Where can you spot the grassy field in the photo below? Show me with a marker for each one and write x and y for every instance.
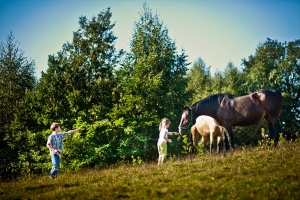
(247, 173)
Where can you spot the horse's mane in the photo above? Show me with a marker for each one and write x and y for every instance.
(213, 97)
(211, 101)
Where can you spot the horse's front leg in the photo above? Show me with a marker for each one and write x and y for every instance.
(228, 133)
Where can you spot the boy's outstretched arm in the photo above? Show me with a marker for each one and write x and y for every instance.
(74, 131)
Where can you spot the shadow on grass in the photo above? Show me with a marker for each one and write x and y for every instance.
(29, 188)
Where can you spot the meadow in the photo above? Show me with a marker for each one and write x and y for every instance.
(260, 172)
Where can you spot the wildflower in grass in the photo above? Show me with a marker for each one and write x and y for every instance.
(281, 139)
(133, 160)
(139, 160)
(297, 136)
(186, 145)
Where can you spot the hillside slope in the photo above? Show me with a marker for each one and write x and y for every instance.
(247, 173)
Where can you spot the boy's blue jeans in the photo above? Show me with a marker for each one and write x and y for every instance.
(55, 165)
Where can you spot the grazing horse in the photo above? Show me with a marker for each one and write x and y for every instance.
(229, 110)
(208, 128)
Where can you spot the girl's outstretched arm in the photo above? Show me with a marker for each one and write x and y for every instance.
(173, 133)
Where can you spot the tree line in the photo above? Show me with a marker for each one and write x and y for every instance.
(118, 98)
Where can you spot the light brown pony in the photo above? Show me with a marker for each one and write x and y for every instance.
(208, 128)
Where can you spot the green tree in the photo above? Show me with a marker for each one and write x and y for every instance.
(80, 80)
(233, 79)
(199, 81)
(152, 86)
(263, 70)
(16, 77)
(218, 83)
(81, 76)
(290, 87)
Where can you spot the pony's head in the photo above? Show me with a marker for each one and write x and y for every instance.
(186, 120)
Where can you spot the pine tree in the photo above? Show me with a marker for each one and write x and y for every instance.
(234, 79)
(16, 78)
(199, 81)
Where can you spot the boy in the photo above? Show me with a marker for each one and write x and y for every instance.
(55, 146)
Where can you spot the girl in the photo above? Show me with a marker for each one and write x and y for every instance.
(163, 139)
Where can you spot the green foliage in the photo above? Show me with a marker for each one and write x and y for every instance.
(248, 135)
(29, 157)
(90, 147)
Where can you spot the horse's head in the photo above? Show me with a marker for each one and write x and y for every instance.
(186, 120)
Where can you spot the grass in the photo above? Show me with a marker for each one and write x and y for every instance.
(247, 173)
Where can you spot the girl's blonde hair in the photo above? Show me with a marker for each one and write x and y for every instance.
(163, 123)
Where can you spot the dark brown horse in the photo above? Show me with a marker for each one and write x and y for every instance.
(229, 110)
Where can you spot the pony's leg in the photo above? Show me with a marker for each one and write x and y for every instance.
(223, 131)
(204, 140)
(211, 142)
(193, 139)
(218, 144)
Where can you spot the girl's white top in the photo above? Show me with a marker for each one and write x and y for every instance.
(162, 133)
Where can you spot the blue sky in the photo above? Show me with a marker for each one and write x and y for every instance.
(218, 31)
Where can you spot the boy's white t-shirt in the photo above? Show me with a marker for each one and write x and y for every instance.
(162, 134)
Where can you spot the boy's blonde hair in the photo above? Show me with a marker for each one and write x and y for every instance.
(54, 125)
(163, 123)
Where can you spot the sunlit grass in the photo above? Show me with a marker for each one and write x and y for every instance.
(246, 173)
